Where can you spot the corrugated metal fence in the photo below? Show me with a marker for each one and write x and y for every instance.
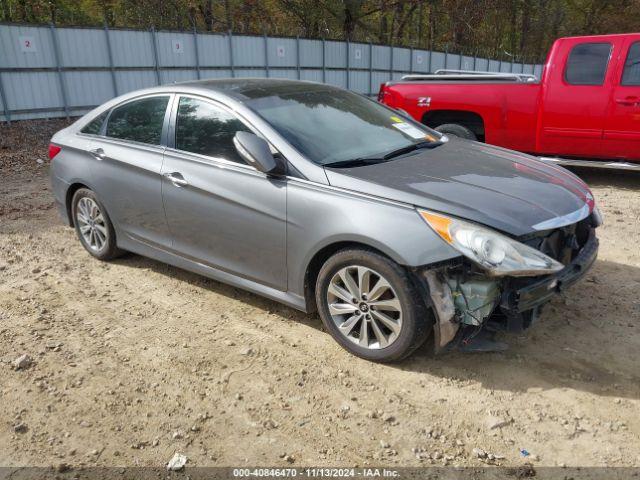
(47, 71)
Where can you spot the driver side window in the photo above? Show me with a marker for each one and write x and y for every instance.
(203, 128)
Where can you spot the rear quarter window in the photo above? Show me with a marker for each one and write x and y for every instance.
(587, 64)
(94, 127)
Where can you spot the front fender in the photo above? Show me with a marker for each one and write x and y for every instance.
(319, 216)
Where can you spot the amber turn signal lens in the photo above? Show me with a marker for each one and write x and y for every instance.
(439, 223)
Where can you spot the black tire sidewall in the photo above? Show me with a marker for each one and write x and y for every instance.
(109, 250)
(413, 330)
(457, 130)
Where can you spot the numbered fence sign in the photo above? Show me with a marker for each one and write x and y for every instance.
(177, 46)
(357, 54)
(419, 59)
(27, 44)
(280, 50)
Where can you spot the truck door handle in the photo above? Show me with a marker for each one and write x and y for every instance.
(628, 101)
(176, 178)
(98, 153)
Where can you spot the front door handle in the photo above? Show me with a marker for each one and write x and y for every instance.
(628, 101)
(176, 178)
(98, 153)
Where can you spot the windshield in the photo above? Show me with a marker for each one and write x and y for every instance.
(330, 126)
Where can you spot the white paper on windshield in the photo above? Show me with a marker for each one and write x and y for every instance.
(410, 130)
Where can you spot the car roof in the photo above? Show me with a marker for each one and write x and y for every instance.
(244, 89)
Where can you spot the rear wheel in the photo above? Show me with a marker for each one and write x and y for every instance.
(370, 306)
(93, 226)
(456, 130)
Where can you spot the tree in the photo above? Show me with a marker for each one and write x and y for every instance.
(523, 30)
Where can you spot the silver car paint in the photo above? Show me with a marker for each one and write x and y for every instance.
(253, 256)
(228, 216)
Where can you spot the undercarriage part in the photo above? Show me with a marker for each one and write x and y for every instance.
(513, 322)
(479, 340)
(442, 300)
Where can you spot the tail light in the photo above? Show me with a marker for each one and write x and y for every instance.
(53, 150)
(389, 96)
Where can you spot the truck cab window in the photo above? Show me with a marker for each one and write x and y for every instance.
(587, 64)
(631, 74)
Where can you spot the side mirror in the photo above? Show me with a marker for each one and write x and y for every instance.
(255, 151)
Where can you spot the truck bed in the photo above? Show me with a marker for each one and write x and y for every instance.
(506, 106)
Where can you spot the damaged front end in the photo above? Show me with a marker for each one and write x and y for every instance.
(463, 301)
(471, 303)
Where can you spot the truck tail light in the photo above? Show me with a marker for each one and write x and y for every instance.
(389, 96)
(53, 150)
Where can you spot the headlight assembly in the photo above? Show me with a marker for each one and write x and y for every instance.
(497, 253)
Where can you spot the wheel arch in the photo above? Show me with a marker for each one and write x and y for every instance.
(467, 118)
(71, 190)
(323, 253)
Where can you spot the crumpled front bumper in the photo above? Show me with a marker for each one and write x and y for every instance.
(516, 301)
(519, 299)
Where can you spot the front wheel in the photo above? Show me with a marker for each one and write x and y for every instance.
(371, 306)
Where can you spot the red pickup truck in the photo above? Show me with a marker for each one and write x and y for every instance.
(586, 104)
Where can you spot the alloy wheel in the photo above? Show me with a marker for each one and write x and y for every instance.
(364, 307)
(91, 224)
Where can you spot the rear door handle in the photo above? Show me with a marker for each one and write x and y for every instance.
(628, 101)
(176, 178)
(98, 153)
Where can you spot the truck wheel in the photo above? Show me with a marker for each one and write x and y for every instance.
(457, 130)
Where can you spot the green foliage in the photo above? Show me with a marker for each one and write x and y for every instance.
(521, 30)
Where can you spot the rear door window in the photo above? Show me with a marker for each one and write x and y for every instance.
(631, 73)
(139, 121)
(206, 129)
(587, 64)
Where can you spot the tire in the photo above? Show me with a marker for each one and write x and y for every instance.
(89, 215)
(457, 130)
(412, 323)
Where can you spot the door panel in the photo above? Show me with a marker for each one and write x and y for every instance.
(127, 169)
(622, 130)
(221, 211)
(576, 99)
(128, 183)
(226, 216)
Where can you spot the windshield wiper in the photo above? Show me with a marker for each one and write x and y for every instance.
(354, 162)
(359, 162)
(410, 148)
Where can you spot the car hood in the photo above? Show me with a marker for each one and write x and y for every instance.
(506, 190)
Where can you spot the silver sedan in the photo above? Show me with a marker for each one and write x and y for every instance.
(325, 200)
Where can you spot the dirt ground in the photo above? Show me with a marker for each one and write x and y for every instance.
(135, 360)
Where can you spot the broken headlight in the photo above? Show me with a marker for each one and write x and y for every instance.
(497, 253)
